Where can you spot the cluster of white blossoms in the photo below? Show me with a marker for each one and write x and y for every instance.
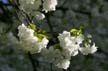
(58, 54)
(56, 57)
(70, 43)
(69, 46)
(29, 42)
(73, 44)
(30, 6)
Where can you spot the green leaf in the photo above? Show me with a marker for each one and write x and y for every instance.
(31, 26)
(38, 32)
(40, 35)
(76, 32)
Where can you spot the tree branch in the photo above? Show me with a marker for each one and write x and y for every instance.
(32, 61)
(47, 15)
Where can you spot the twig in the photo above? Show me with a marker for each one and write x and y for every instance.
(32, 61)
(50, 27)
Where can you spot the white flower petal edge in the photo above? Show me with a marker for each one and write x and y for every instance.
(64, 64)
(88, 49)
(38, 15)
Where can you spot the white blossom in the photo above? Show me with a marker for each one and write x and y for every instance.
(64, 64)
(38, 15)
(44, 42)
(64, 39)
(49, 5)
(56, 57)
(28, 41)
(88, 49)
(29, 5)
(69, 46)
(69, 43)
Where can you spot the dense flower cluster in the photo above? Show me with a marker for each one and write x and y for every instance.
(72, 43)
(30, 6)
(57, 54)
(30, 42)
(56, 57)
(69, 46)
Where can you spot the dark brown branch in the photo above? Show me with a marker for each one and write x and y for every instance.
(47, 15)
(32, 61)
